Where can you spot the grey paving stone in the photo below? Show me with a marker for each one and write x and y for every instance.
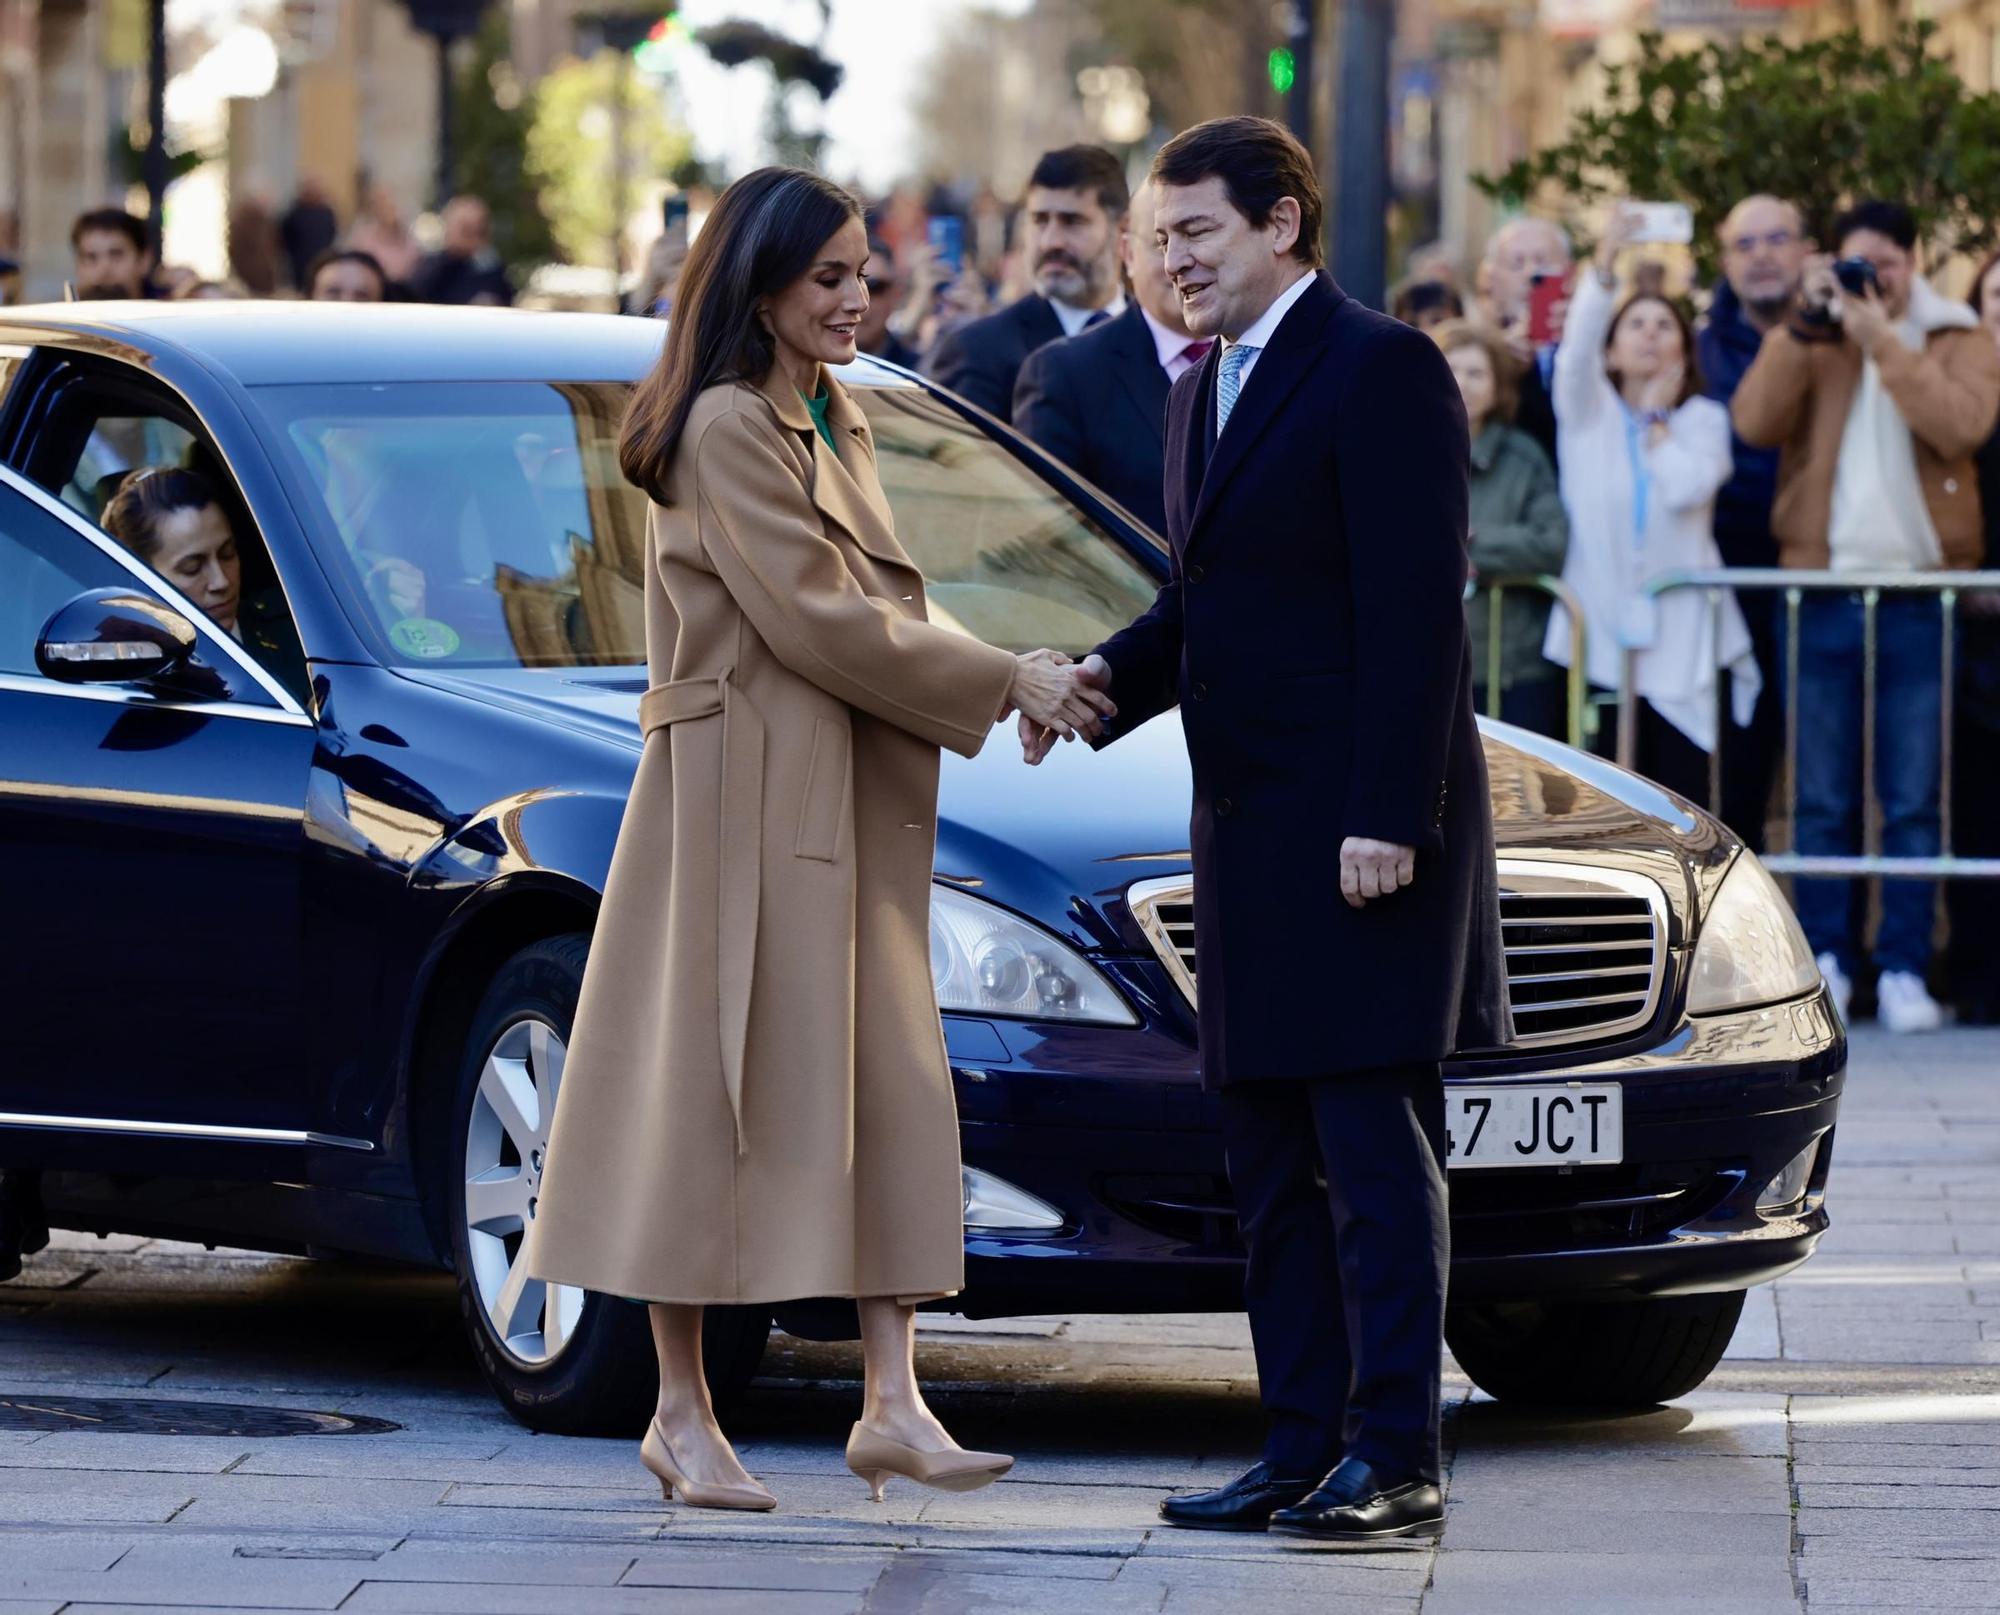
(109, 1498)
(498, 1598)
(30, 1606)
(24, 1549)
(1468, 1579)
(681, 1565)
(80, 1450)
(1829, 1560)
(1194, 1600)
(1905, 1527)
(1523, 1528)
(932, 1582)
(1566, 1481)
(1899, 1466)
(274, 1584)
(1916, 1592)
(1888, 1495)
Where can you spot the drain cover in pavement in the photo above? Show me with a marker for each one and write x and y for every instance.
(146, 1417)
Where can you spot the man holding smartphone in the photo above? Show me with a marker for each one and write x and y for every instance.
(1876, 392)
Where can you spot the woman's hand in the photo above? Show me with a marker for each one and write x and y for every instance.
(1663, 391)
(399, 584)
(1045, 690)
(1617, 237)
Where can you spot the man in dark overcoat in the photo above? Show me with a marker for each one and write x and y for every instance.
(1313, 636)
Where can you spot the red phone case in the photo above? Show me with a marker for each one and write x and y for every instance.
(1544, 297)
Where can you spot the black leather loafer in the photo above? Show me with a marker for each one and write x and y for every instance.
(1356, 1508)
(1245, 1504)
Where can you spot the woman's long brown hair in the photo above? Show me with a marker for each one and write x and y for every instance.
(766, 230)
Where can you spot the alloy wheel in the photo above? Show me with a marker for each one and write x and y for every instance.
(506, 1149)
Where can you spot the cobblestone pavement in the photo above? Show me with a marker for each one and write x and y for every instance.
(1845, 1457)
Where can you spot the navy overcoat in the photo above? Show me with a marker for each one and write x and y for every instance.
(1313, 635)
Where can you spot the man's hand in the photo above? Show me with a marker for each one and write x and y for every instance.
(1093, 673)
(1865, 319)
(1819, 287)
(1371, 869)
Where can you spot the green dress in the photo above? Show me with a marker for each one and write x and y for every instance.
(817, 406)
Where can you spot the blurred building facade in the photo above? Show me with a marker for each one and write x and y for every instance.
(1480, 83)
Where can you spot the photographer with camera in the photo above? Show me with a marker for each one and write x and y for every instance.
(1877, 393)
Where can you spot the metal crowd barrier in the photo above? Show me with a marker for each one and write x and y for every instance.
(1495, 589)
(1793, 586)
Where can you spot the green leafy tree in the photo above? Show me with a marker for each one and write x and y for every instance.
(1822, 123)
(491, 119)
(569, 149)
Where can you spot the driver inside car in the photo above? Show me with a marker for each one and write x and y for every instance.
(171, 519)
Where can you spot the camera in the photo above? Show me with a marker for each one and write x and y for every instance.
(1857, 276)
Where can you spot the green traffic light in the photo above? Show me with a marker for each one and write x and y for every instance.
(1284, 70)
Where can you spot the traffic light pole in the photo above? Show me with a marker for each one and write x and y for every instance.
(1366, 31)
(156, 120)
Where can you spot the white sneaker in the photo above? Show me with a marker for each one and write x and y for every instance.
(1902, 1004)
(1836, 983)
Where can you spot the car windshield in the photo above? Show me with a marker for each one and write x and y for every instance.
(487, 525)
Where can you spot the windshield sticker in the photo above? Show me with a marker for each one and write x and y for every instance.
(424, 636)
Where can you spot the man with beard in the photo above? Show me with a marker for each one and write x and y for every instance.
(1764, 247)
(1098, 402)
(113, 257)
(1075, 210)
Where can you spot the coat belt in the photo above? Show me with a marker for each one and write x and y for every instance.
(740, 861)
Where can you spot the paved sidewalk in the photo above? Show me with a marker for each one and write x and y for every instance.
(1845, 1457)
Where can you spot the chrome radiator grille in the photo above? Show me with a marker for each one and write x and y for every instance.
(1586, 947)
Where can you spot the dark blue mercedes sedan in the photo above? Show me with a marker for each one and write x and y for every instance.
(295, 907)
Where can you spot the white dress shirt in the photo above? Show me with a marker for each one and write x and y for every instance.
(1258, 337)
(1074, 319)
(1171, 346)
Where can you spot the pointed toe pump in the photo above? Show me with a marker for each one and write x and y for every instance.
(657, 1456)
(875, 1458)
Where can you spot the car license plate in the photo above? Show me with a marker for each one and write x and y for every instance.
(1568, 1124)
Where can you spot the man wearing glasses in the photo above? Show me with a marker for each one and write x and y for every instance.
(1764, 248)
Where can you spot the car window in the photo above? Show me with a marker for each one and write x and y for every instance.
(477, 526)
(109, 423)
(1005, 557)
(45, 563)
(42, 565)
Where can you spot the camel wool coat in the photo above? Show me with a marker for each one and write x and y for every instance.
(756, 1105)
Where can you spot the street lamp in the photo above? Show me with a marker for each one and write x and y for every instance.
(446, 21)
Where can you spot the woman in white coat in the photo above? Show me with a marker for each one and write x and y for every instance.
(1642, 456)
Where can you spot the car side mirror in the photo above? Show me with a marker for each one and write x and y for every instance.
(114, 636)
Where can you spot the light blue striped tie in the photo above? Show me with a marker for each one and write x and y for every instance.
(1230, 382)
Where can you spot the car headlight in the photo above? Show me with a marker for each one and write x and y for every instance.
(985, 961)
(1751, 949)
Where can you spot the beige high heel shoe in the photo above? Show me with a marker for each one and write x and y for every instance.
(875, 1458)
(657, 1456)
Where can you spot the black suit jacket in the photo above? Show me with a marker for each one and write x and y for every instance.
(1098, 403)
(1313, 634)
(981, 359)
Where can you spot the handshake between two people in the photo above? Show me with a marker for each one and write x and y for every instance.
(1058, 697)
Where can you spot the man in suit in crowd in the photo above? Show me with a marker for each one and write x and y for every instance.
(1312, 633)
(1098, 402)
(1075, 207)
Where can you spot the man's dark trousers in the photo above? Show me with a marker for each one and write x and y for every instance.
(1346, 1279)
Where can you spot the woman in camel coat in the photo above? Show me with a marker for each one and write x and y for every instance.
(756, 1105)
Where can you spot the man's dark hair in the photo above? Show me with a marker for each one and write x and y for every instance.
(1085, 168)
(1889, 219)
(1259, 162)
(109, 218)
(347, 255)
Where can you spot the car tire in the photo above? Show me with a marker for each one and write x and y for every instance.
(599, 1375)
(1617, 1354)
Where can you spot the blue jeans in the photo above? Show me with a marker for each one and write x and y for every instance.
(1909, 648)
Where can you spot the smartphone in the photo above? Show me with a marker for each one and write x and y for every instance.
(947, 238)
(1547, 293)
(1668, 222)
(674, 215)
(1857, 277)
